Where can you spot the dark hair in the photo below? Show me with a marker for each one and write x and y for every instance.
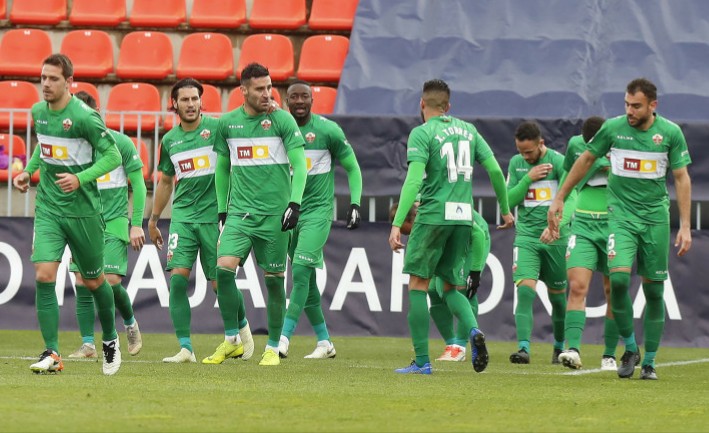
(304, 83)
(87, 99)
(591, 126)
(528, 131)
(186, 82)
(254, 70)
(61, 61)
(643, 85)
(436, 93)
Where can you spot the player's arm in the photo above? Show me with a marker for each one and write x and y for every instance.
(497, 178)
(683, 187)
(296, 157)
(409, 191)
(102, 140)
(33, 164)
(161, 195)
(221, 183)
(578, 172)
(22, 180)
(140, 192)
(354, 180)
(516, 188)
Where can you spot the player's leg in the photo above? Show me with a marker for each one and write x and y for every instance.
(85, 317)
(553, 273)
(479, 250)
(610, 330)
(525, 270)
(443, 319)
(313, 310)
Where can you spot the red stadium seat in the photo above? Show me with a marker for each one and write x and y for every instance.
(78, 86)
(211, 105)
(40, 12)
(332, 14)
(323, 99)
(22, 52)
(224, 14)
(17, 94)
(271, 50)
(145, 55)
(277, 14)
(144, 156)
(133, 97)
(236, 98)
(104, 13)
(153, 13)
(91, 52)
(322, 58)
(18, 149)
(206, 56)
(3, 10)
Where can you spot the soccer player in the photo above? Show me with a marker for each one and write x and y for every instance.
(113, 188)
(254, 149)
(442, 149)
(325, 142)
(187, 153)
(532, 180)
(68, 207)
(643, 146)
(586, 251)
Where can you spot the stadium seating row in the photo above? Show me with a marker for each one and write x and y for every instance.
(148, 55)
(265, 14)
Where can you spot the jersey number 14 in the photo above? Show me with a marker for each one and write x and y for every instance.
(459, 165)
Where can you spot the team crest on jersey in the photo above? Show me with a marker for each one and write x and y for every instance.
(611, 254)
(310, 137)
(657, 139)
(67, 124)
(206, 133)
(266, 124)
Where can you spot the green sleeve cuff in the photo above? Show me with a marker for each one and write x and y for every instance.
(109, 160)
(300, 173)
(221, 182)
(516, 194)
(354, 178)
(412, 185)
(497, 178)
(139, 194)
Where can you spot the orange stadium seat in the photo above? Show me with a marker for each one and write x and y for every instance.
(206, 56)
(271, 50)
(41, 12)
(3, 10)
(146, 55)
(133, 97)
(153, 13)
(16, 94)
(18, 149)
(211, 104)
(144, 156)
(277, 14)
(105, 13)
(225, 14)
(91, 52)
(332, 14)
(322, 58)
(22, 52)
(323, 99)
(236, 98)
(78, 86)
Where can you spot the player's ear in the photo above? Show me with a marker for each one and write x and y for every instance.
(448, 107)
(423, 104)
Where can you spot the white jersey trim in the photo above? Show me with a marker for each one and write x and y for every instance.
(65, 152)
(318, 161)
(541, 193)
(249, 152)
(114, 179)
(194, 162)
(638, 165)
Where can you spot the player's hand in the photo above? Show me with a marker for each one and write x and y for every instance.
(353, 217)
(539, 172)
(290, 217)
(155, 235)
(137, 238)
(273, 106)
(472, 284)
(395, 239)
(683, 241)
(222, 221)
(67, 182)
(548, 236)
(22, 182)
(508, 221)
(556, 211)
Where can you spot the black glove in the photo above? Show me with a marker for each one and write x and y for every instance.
(290, 217)
(473, 284)
(353, 217)
(222, 220)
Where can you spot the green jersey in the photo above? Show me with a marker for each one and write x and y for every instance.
(447, 146)
(69, 139)
(591, 198)
(258, 147)
(532, 211)
(639, 163)
(113, 186)
(324, 142)
(480, 222)
(190, 156)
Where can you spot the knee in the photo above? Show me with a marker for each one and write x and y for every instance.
(577, 288)
(94, 283)
(114, 279)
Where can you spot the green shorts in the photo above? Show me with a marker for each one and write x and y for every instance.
(587, 244)
(188, 239)
(479, 249)
(438, 251)
(263, 233)
(307, 241)
(649, 243)
(83, 235)
(534, 260)
(115, 256)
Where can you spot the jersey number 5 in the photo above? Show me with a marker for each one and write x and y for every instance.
(459, 165)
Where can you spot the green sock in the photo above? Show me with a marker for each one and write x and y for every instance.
(106, 309)
(622, 307)
(610, 336)
(474, 306)
(275, 308)
(298, 297)
(313, 310)
(575, 322)
(241, 311)
(524, 320)
(558, 313)
(180, 311)
(441, 315)
(654, 320)
(48, 314)
(418, 324)
(85, 314)
(460, 307)
(227, 294)
(123, 305)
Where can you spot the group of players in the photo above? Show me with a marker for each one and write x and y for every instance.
(240, 185)
(598, 208)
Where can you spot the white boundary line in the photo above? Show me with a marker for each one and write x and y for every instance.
(663, 364)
